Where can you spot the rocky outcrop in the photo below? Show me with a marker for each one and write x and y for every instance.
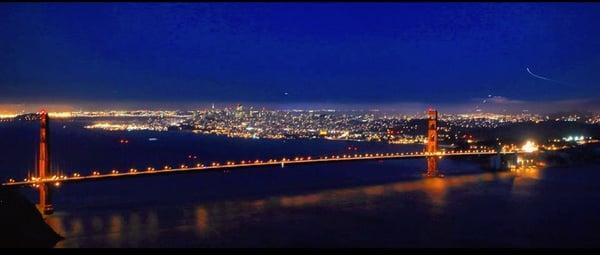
(21, 224)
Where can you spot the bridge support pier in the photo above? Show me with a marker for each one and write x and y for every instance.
(44, 204)
(432, 144)
(432, 167)
(501, 162)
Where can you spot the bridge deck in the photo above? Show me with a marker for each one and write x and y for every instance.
(230, 165)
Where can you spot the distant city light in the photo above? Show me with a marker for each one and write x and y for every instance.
(6, 116)
(573, 138)
(529, 147)
(60, 114)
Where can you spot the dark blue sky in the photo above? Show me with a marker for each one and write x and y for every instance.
(333, 53)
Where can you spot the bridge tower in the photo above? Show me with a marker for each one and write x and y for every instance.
(43, 165)
(432, 142)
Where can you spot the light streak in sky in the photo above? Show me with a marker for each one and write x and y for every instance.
(542, 77)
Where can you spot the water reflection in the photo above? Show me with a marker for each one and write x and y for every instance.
(210, 220)
(435, 189)
(152, 225)
(301, 200)
(116, 228)
(374, 190)
(56, 223)
(96, 223)
(134, 230)
(258, 205)
(76, 227)
(528, 172)
(201, 220)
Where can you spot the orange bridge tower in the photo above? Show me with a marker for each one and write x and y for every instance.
(432, 142)
(43, 165)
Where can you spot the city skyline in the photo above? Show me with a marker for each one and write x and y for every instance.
(496, 104)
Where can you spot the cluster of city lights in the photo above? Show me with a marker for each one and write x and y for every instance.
(573, 138)
(123, 127)
(529, 147)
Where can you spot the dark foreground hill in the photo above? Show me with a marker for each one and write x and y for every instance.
(21, 224)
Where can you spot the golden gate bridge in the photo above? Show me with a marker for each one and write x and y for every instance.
(45, 180)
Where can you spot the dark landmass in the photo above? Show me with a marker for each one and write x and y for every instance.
(518, 132)
(579, 155)
(21, 224)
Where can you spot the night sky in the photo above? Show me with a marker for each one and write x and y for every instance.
(346, 53)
